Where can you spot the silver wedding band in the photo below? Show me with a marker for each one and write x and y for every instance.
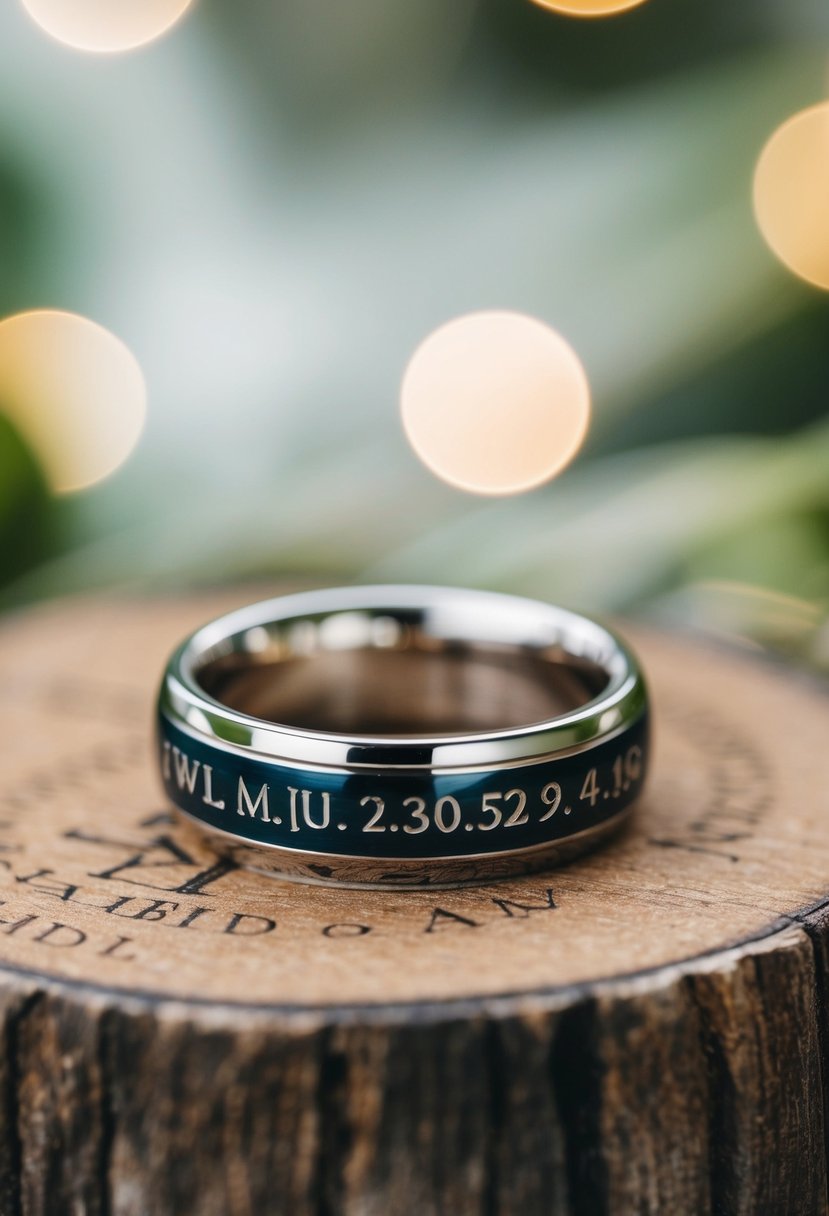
(403, 736)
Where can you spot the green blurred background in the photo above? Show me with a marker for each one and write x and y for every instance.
(274, 204)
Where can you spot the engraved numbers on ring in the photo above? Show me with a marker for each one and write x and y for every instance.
(499, 809)
(609, 781)
(518, 814)
(507, 808)
(626, 770)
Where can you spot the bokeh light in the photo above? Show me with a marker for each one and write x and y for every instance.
(791, 194)
(106, 26)
(495, 402)
(589, 8)
(75, 393)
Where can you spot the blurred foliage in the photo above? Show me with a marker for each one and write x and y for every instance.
(26, 512)
(276, 203)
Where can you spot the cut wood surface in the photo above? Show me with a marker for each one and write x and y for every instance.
(643, 1030)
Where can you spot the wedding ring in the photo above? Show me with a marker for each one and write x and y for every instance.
(403, 736)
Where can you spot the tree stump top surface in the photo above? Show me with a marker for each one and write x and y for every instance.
(99, 888)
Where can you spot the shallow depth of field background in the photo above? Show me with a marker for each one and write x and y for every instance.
(274, 204)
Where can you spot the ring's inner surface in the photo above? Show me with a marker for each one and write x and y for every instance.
(398, 682)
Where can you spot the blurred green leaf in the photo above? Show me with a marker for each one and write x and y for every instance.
(26, 524)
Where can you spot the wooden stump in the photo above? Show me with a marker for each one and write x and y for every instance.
(643, 1031)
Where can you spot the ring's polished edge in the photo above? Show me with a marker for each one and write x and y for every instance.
(404, 809)
(322, 869)
(478, 616)
(276, 762)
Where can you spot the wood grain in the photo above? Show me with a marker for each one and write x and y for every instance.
(643, 1031)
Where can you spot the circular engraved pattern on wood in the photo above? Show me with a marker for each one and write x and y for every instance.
(98, 884)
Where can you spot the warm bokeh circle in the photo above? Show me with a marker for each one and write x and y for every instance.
(589, 8)
(791, 194)
(75, 393)
(106, 26)
(495, 402)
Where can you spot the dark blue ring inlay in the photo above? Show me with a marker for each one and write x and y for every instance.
(403, 814)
